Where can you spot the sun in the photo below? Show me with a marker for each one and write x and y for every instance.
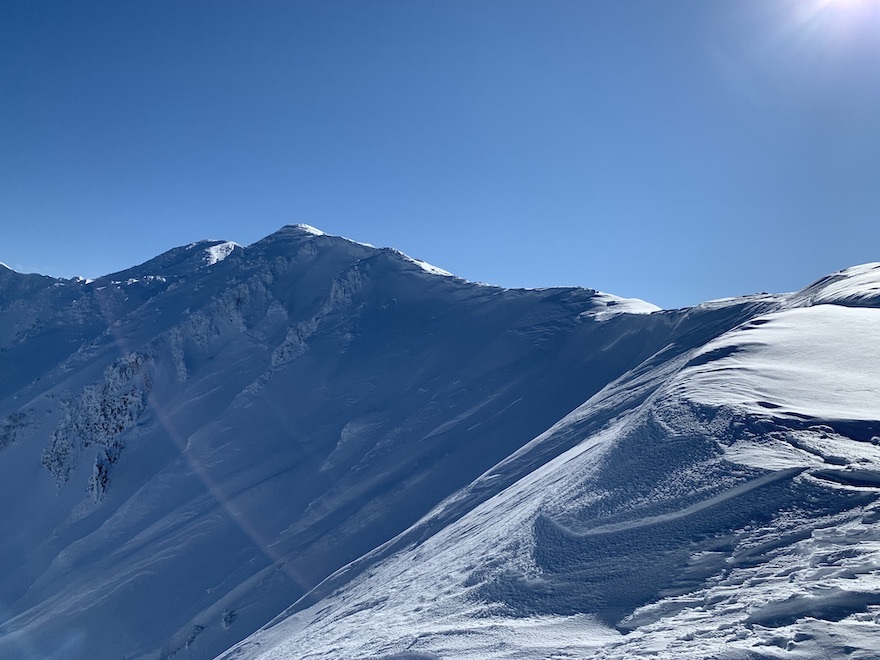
(850, 4)
(837, 20)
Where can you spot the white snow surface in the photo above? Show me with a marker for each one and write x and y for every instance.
(609, 305)
(858, 285)
(314, 231)
(818, 362)
(786, 582)
(424, 265)
(430, 600)
(316, 439)
(219, 252)
(309, 229)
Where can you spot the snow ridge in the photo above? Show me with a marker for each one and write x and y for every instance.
(756, 420)
(309, 229)
(609, 305)
(419, 466)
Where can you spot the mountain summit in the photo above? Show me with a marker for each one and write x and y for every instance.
(384, 460)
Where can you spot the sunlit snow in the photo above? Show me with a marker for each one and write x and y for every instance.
(608, 305)
(315, 449)
(817, 362)
(858, 285)
(219, 252)
(424, 265)
(309, 229)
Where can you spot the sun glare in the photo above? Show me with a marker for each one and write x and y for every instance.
(848, 5)
(833, 21)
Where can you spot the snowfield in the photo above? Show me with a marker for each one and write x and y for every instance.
(817, 362)
(313, 448)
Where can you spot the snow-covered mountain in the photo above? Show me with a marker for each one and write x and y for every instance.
(314, 448)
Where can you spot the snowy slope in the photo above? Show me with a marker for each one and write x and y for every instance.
(192, 444)
(383, 460)
(719, 500)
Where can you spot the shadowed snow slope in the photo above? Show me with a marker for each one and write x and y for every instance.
(371, 458)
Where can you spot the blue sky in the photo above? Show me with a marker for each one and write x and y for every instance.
(675, 151)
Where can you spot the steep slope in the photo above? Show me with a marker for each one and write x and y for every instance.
(193, 444)
(718, 500)
(418, 466)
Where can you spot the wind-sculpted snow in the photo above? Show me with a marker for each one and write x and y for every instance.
(816, 362)
(858, 286)
(673, 515)
(613, 305)
(390, 462)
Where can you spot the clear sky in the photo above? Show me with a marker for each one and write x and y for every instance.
(673, 150)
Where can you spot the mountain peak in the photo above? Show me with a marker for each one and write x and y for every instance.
(177, 261)
(308, 229)
(313, 411)
(297, 232)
